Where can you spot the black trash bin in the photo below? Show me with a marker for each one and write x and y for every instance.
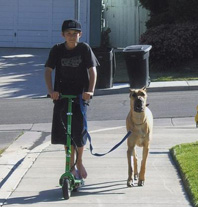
(137, 62)
(106, 70)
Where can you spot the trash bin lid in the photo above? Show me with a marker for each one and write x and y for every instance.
(137, 48)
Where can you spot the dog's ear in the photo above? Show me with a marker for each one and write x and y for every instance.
(131, 92)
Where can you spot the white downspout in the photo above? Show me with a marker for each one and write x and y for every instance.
(77, 10)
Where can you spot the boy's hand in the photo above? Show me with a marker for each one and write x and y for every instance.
(54, 95)
(87, 96)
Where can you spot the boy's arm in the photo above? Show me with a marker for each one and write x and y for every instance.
(92, 83)
(48, 80)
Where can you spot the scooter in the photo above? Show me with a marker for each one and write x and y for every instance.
(68, 181)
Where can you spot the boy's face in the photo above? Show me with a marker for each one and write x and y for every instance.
(72, 36)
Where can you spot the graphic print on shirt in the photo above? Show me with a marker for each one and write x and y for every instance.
(71, 62)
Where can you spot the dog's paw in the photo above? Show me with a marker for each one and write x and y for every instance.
(141, 183)
(136, 177)
(130, 183)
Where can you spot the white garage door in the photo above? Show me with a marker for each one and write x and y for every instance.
(33, 23)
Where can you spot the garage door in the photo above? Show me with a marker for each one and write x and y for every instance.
(33, 23)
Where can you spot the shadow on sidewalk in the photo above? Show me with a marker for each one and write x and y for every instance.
(55, 195)
(43, 196)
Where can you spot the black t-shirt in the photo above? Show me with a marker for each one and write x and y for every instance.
(71, 75)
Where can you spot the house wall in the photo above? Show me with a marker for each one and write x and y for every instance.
(126, 19)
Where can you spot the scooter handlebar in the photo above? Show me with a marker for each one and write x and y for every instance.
(61, 96)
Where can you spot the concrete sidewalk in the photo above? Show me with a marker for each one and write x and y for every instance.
(35, 171)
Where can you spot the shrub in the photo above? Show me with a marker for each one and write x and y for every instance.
(172, 43)
(159, 19)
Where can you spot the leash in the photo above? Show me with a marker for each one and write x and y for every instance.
(115, 147)
(89, 137)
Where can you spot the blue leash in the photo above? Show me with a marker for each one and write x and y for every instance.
(89, 137)
(115, 147)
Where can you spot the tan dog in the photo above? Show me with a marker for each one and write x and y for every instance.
(140, 122)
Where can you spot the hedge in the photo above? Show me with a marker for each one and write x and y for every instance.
(172, 43)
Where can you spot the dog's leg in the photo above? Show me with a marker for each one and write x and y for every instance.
(130, 166)
(135, 161)
(143, 165)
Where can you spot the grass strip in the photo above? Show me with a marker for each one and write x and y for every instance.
(186, 159)
(173, 76)
(1, 151)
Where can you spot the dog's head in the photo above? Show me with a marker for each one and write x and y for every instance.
(138, 99)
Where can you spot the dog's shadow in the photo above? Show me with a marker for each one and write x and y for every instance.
(110, 187)
(54, 195)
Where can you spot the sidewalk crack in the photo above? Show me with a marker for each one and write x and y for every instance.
(172, 122)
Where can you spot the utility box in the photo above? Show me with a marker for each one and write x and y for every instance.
(137, 62)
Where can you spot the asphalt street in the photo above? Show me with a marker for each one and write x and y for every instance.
(170, 104)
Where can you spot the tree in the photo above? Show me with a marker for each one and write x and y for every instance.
(170, 11)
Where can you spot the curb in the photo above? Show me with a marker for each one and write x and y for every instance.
(120, 90)
(111, 91)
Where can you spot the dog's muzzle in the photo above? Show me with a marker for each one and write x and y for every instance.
(139, 105)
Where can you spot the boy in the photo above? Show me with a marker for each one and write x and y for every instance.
(75, 74)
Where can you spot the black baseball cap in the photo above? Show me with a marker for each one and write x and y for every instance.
(71, 24)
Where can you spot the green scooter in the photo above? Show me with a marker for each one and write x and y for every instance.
(68, 181)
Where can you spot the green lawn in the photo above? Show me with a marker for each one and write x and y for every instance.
(186, 158)
(1, 151)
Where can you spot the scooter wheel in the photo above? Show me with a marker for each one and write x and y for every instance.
(60, 181)
(66, 189)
